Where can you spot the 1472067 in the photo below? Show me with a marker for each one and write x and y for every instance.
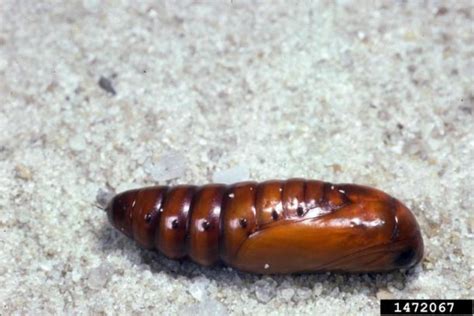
(423, 307)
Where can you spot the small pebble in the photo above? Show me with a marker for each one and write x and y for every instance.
(264, 290)
(317, 289)
(103, 197)
(198, 289)
(23, 172)
(77, 143)
(99, 276)
(471, 224)
(171, 165)
(106, 85)
(287, 294)
(232, 175)
(384, 294)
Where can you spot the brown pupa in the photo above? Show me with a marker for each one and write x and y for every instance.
(273, 227)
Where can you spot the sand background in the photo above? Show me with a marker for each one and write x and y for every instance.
(372, 92)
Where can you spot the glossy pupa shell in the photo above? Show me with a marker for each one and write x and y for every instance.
(273, 227)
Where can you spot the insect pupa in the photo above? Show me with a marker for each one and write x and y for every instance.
(273, 227)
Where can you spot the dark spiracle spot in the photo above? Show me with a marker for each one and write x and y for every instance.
(405, 258)
(206, 225)
(148, 218)
(274, 215)
(174, 224)
(243, 222)
(300, 211)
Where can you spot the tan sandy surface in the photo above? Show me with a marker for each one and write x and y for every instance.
(377, 93)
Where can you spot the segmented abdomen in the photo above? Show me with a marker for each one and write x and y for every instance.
(235, 223)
